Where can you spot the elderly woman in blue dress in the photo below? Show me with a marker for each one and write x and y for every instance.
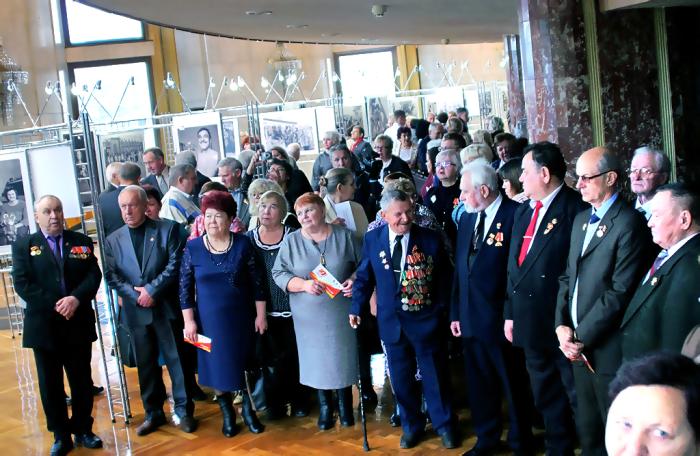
(222, 297)
(326, 344)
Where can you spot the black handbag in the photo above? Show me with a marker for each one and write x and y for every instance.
(126, 348)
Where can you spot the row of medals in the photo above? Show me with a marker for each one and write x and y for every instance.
(414, 282)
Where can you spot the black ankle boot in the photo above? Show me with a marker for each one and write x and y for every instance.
(225, 401)
(326, 419)
(249, 417)
(395, 418)
(345, 411)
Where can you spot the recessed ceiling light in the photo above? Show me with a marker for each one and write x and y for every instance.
(265, 13)
(327, 35)
(258, 13)
(297, 26)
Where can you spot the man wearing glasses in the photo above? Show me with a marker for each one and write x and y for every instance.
(648, 171)
(610, 250)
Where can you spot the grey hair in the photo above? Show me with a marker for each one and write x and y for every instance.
(177, 172)
(333, 135)
(386, 140)
(186, 157)
(261, 186)
(476, 150)
(452, 156)
(663, 164)
(112, 170)
(391, 196)
(482, 137)
(138, 190)
(335, 177)
(43, 197)
(130, 172)
(293, 148)
(230, 163)
(482, 173)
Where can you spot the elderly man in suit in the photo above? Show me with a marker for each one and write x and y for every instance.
(108, 202)
(665, 306)
(408, 266)
(142, 264)
(609, 253)
(649, 170)
(541, 233)
(112, 175)
(159, 172)
(494, 369)
(230, 172)
(55, 271)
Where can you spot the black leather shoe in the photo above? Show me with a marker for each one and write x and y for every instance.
(150, 425)
(88, 440)
(410, 440)
(61, 446)
(480, 452)
(97, 390)
(449, 439)
(188, 424)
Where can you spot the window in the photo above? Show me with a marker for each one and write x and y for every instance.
(87, 25)
(366, 74)
(100, 89)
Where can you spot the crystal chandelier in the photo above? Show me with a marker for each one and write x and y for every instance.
(11, 75)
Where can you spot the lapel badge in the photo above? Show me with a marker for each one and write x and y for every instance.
(550, 227)
(382, 254)
(386, 266)
(35, 250)
(554, 221)
(601, 231)
(152, 239)
(654, 281)
(489, 241)
(585, 226)
(498, 225)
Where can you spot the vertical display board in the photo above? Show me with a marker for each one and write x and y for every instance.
(16, 198)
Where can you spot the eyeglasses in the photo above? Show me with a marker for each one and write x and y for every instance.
(641, 172)
(444, 164)
(446, 149)
(587, 179)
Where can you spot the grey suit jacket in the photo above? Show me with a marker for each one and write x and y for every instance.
(608, 272)
(159, 273)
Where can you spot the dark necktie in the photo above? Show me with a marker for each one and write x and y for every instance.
(396, 257)
(479, 233)
(657, 263)
(56, 249)
(594, 219)
(529, 233)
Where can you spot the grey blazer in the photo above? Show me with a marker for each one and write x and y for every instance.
(162, 251)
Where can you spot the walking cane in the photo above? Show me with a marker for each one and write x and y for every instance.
(363, 418)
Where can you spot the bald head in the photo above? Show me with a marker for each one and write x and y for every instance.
(597, 170)
(132, 203)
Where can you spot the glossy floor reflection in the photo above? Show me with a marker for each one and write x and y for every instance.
(23, 427)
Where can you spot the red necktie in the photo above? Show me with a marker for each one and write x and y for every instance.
(529, 233)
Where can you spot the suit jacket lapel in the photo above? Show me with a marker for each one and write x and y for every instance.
(605, 226)
(541, 239)
(149, 242)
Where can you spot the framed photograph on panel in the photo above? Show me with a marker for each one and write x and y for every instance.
(281, 128)
(354, 115)
(123, 147)
(200, 133)
(378, 111)
(16, 199)
(45, 164)
(232, 139)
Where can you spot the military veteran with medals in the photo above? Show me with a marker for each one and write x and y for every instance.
(55, 271)
(408, 266)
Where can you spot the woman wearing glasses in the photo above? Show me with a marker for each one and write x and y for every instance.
(442, 198)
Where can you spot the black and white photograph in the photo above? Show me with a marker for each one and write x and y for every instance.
(232, 139)
(353, 115)
(200, 133)
(121, 147)
(379, 113)
(410, 105)
(16, 213)
(282, 128)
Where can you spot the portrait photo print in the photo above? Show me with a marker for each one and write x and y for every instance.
(200, 134)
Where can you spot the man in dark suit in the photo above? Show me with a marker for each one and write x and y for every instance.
(494, 369)
(55, 271)
(387, 164)
(541, 233)
(665, 306)
(409, 268)
(609, 253)
(108, 202)
(159, 172)
(142, 264)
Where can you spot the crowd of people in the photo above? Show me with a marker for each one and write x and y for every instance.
(555, 299)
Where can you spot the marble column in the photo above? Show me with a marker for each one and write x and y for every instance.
(514, 75)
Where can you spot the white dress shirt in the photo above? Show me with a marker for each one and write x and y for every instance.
(490, 213)
(546, 202)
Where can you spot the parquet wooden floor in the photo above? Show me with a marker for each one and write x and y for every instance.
(23, 427)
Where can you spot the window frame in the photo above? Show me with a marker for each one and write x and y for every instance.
(66, 32)
(337, 55)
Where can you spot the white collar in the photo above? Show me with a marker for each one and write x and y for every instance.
(492, 208)
(677, 246)
(547, 200)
